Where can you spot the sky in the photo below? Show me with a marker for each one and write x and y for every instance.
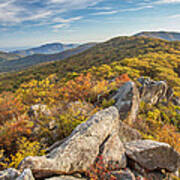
(30, 23)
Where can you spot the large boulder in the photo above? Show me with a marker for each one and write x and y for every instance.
(153, 91)
(9, 174)
(112, 153)
(65, 178)
(81, 148)
(152, 155)
(126, 133)
(26, 175)
(123, 175)
(127, 101)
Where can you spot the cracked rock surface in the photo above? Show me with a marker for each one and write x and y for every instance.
(153, 155)
(82, 147)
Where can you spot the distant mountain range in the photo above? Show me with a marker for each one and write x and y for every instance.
(46, 49)
(8, 56)
(24, 62)
(170, 36)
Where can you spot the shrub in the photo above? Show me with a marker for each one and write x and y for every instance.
(10, 107)
(11, 130)
(72, 116)
(99, 170)
(168, 134)
(25, 148)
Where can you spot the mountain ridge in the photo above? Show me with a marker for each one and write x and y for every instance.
(8, 56)
(169, 36)
(49, 48)
(115, 49)
(35, 59)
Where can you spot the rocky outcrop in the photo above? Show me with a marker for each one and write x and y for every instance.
(126, 133)
(151, 155)
(124, 175)
(82, 147)
(124, 155)
(112, 153)
(127, 101)
(153, 91)
(9, 174)
(26, 175)
(65, 178)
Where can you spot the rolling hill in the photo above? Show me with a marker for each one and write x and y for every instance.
(108, 52)
(46, 49)
(8, 56)
(170, 36)
(21, 63)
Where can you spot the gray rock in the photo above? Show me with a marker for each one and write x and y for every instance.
(123, 175)
(26, 175)
(113, 153)
(126, 133)
(176, 101)
(153, 91)
(37, 109)
(127, 101)
(152, 155)
(65, 178)
(9, 174)
(80, 150)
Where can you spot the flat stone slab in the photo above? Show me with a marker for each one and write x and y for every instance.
(153, 155)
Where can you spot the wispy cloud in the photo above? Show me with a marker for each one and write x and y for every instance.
(136, 8)
(69, 20)
(101, 8)
(59, 26)
(166, 1)
(64, 23)
(13, 12)
(123, 10)
(105, 13)
(175, 16)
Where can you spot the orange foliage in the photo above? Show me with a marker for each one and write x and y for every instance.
(77, 88)
(83, 87)
(122, 79)
(86, 87)
(12, 130)
(10, 107)
(169, 134)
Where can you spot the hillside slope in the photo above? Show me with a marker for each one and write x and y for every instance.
(8, 56)
(170, 36)
(105, 53)
(137, 75)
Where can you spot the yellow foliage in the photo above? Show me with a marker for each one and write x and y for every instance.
(25, 148)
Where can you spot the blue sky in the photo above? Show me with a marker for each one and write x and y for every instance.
(27, 23)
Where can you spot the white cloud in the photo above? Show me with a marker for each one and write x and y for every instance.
(69, 20)
(14, 12)
(105, 13)
(175, 16)
(167, 1)
(123, 10)
(73, 4)
(57, 27)
(136, 9)
(101, 8)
